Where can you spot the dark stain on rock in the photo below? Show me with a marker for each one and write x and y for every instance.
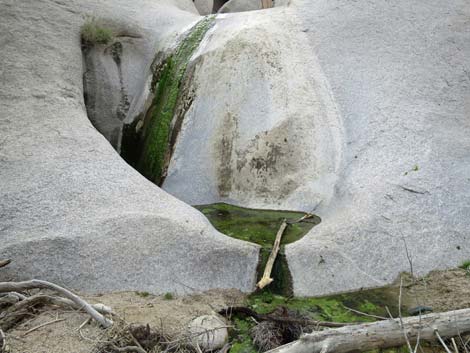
(225, 148)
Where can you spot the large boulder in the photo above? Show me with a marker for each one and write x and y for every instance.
(357, 111)
(262, 130)
(72, 211)
(399, 75)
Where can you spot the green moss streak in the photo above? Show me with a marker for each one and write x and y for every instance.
(156, 144)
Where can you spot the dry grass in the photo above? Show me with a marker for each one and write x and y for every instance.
(93, 32)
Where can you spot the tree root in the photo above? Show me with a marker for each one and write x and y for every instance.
(21, 308)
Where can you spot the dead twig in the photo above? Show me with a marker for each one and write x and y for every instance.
(365, 314)
(225, 348)
(456, 350)
(441, 341)
(400, 317)
(42, 325)
(84, 323)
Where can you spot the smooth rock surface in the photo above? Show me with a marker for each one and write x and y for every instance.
(204, 7)
(240, 6)
(399, 73)
(71, 210)
(209, 331)
(357, 110)
(262, 130)
(248, 5)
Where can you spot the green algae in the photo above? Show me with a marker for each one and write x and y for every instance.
(260, 227)
(158, 126)
(240, 336)
(256, 226)
(329, 308)
(334, 307)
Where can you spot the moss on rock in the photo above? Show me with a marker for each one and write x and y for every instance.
(158, 126)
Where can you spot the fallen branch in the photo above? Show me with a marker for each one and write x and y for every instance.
(364, 314)
(266, 279)
(20, 310)
(279, 319)
(381, 334)
(35, 284)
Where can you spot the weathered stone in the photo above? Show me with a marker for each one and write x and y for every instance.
(359, 112)
(209, 331)
(72, 211)
(205, 7)
(399, 75)
(262, 130)
(240, 6)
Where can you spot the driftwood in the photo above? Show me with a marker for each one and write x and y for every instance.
(21, 309)
(6, 287)
(381, 334)
(266, 279)
(279, 319)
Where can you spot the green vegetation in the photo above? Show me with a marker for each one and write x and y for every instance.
(414, 169)
(92, 32)
(240, 337)
(168, 296)
(260, 227)
(256, 226)
(330, 308)
(465, 265)
(157, 130)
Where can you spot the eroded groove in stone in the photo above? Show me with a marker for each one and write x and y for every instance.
(159, 121)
